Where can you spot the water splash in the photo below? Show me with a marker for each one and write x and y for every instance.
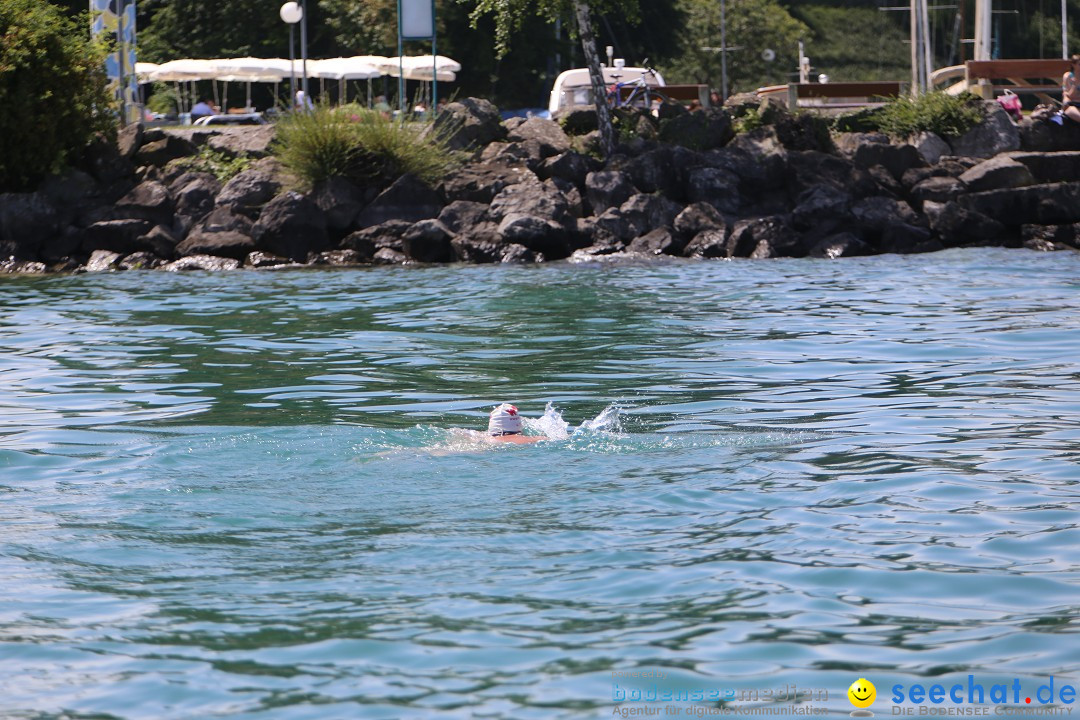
(552, 425)
(607, 421)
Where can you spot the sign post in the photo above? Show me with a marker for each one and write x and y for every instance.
(416, 21)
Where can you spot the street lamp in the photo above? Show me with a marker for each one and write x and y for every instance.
(292, 13)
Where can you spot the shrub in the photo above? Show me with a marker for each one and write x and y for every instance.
(218, 164)
(936, 112)
(361, 145)
(53, 94)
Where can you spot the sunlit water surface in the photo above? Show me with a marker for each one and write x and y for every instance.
(240, 495)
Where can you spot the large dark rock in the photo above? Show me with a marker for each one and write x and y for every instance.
(369, 241)
(698, 218)
(937, 189)
(149, 201)
(205, 263)
(195, 196)
(665, 170)
(480, 244)
(70, 193)
(761, 238)
(995, 135)
(715, 186)
(27, 220)
(931, 147)
(956, 225)
(708, 244)
(822, 209)
(703, 130)
(1040, 135)
(577, 119)
(118, 236)
(462, 215)
(223, 233)
(661, 241)
(1051, 237)
(482, 182)
(159, 241)
(249, 142)
(542, 200)
(897, 159)
(840, 245)
(570, 166)
(428, 241)
(469, 124)
(757, 159)
(538, 234)
(997, 173)
(251, 189)
(104, 161)
(340, 200)
(546, 133)
(129, 139)
(1054, 204)
(638, 216)
(608, 189)
(408, 199)
(1050, 167)
(291, 225)
(161, 152)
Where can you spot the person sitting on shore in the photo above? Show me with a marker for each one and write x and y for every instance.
(504, 425)
(1070, 91)
(201, 109)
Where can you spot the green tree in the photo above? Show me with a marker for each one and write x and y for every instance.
(509, 16)
(53, 96)
(753, 26)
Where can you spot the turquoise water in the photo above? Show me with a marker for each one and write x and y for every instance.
(239, 496)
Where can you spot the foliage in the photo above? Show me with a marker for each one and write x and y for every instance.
(212, 28)
(752, 27)
(937, 112)
(163, 100)
(218, 164)
(884, 55)
(53, 96)
(751, 120)
(361, 145)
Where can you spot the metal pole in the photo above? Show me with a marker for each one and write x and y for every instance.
(292, 65)
(434, 63)
(723, 50)
(401, 65)
(927, 49)
(303, 51)
(1064, 31)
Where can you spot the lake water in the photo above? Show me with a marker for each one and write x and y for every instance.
(238, 495)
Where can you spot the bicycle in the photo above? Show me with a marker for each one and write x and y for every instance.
(642, 94)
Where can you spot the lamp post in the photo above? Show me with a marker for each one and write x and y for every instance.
(292, 13)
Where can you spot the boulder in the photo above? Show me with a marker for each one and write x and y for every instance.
(389, 256)
(223, 233)
(260, 259)
(956, 225)
(762, 238)
(515, 254)
(117, 236)
(249, 142)
(103, 261)
(897, 159)
(608, 189)
(428, 241)
(409, 199)
(698, 218)
(703, 130)
(1053, 204)
(369, 241)
(840, 245)
(103, 160)
(462, 215)
(27, 221)
(129, 139)
(878, 213)
(715, 186)
(469, 124)
(480, 245)
(291, 225)
(149, 201)
(207, 263)
(996, 134)
(1051, 236)
(1043, 135)
(542, 200)
(577, 119)
(160, 153)
(823, 209)
(482, 182)
(70, 193)
(63, 245)
(708, 244)
(1050, 167)
(546, 133)
(538, 234)
(340, 200)
(195, 195)
(141, 261)
(637, 216)
(570, 166)
(336, 258)
(931, 147)
(937, 189)
(757, 159)
(661, 241)
(997, 173)
(250, 190)
(159, 241)
(665, 170)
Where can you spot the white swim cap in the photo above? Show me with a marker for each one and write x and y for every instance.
(504, 419)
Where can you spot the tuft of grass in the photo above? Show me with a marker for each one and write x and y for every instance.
(937, 112)
(749, 121)
(361, 145)
(218, 164)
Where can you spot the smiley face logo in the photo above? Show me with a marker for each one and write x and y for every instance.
(862, 693)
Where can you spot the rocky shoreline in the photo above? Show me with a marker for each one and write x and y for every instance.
(686, 185)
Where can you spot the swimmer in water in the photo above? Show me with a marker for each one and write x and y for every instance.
(504, 426)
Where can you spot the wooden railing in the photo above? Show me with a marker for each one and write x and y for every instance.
(844, 94)
(1039, 77)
